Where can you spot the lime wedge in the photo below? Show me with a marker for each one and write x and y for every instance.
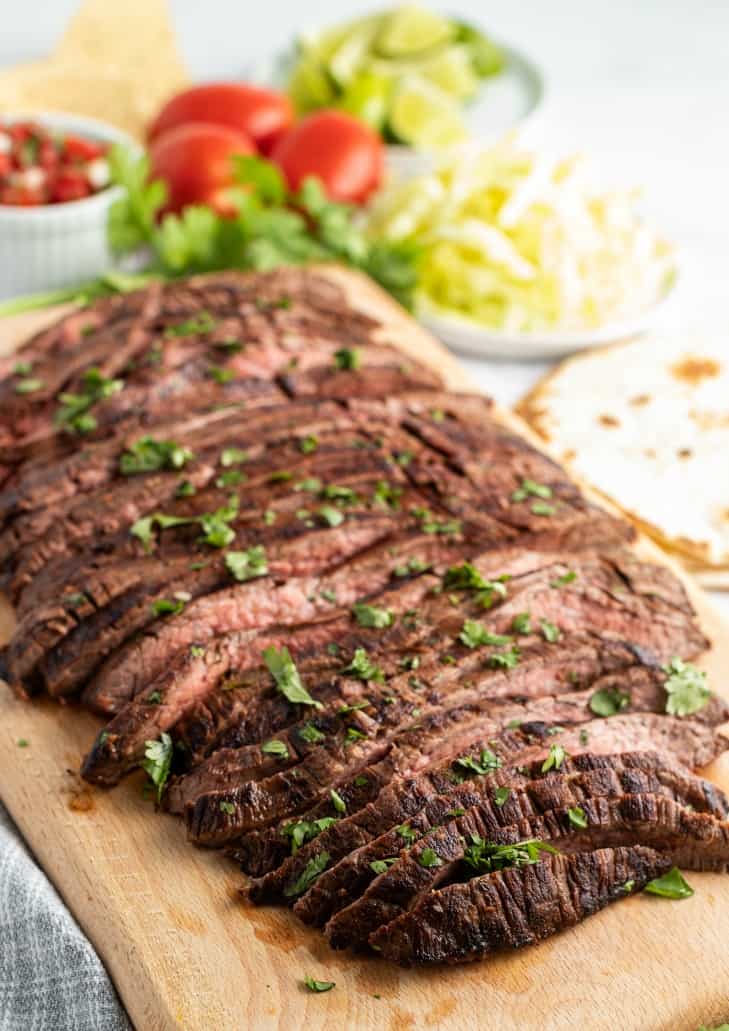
(367, 97)
(410, 30)
(424, 116)
(486, 58)
(350, 56)
(452, 70)
(309, 86)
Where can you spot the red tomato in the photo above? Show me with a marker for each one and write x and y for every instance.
(195, 162)
(260, 113)
(75, 148)
(69, 185)
(344, 153)
(22, 196)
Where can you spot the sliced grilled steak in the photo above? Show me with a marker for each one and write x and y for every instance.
(693, 840)
(685, 741)
(58, 636)
(517, 906)
(143, 667)
(582, 778)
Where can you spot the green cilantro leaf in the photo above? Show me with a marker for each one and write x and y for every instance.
(370, 616)
(313, 869)
(686, 688)
(318, 986)
(672, 885)
(247, 565)
(157, 761)
(148, 455)
(475, 634)
(609, 701)
(577, 817)
(283, 670)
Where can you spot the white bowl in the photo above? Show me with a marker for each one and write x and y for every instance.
(470, 337)
(57, 245)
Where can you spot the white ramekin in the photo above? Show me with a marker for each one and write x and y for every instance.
(57, 245)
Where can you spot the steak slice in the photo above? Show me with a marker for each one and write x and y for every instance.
(143, 666)
(516, 906)
(57, 636)
(437, 733)
(77, 548)
(45, 484)
(694, 840)
(678, 740)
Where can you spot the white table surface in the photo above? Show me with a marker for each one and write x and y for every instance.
(640, 85)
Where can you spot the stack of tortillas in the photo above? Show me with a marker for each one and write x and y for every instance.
(117, 62)
(647, 423)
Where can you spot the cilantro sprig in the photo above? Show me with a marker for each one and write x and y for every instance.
(271, 226)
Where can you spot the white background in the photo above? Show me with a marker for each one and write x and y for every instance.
(641, 86)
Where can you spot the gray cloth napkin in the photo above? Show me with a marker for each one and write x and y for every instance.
(50, 977)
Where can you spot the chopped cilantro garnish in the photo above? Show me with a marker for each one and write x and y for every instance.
(316, 866)
(522, 623)
(550, 632)
(302, 831)
(363, 668)
(370, 616)
(283, 670)
(74, 411)
(608, 701)
(554, 760)
(686, 688)
(577, 817)
(531, 489)
(380, 866)
(505, 660)
(337, 801)
(311, 734)
(672, 885)
(331, 515)
(157, 761)
(247, 565)
(347, 358)
(475, 634)
(148, 455)
(275, 747)
(233, 456)
(318, 986)
(486, 857)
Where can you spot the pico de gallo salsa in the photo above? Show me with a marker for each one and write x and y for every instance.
(38, 166)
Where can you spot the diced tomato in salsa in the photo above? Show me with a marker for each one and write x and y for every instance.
(42, 167)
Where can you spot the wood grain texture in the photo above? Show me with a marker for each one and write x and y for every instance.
(185, 951)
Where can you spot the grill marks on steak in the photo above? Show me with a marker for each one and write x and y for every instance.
(262, 319)
(692, 840)
(196, 624)
(143, 666)
(405, 764)
(517, 906)
(531, 793)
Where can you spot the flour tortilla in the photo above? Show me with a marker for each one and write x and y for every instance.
(647, 424)
(116, 62)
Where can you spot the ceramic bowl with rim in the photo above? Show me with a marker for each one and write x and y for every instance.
(57, 245)
(472, 338)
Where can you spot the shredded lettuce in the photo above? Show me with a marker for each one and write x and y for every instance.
(524, 243)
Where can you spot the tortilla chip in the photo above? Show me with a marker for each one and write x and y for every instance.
(647, 423)
(134, 38)
(116, 62)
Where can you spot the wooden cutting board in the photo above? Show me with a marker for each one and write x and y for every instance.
(185, 951)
